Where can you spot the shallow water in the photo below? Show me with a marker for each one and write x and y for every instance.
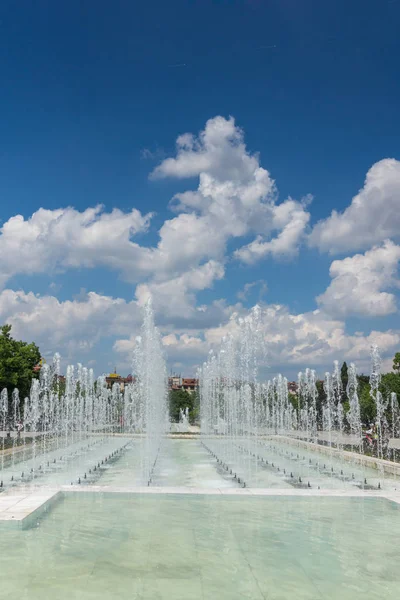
(186, 547)
(188, 463)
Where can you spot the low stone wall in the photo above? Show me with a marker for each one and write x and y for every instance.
(385, 466)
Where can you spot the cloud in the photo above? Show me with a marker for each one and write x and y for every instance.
(248, 287)
(218, 150)
(183, 351)
(156, 154)
(372, 217)
(62, 239)
(175, 297)
(235, 197)
(291, 219)
(77, 327)
(293, 341)
(71, 327)
(234, 200)
(359, 281)
(308, 339)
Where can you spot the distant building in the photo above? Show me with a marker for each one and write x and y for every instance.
(176, 382)
(116, 378)
(190, 385)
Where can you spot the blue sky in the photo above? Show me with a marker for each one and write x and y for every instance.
(94, 97)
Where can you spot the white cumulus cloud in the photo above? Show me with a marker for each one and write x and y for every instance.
(176, 297)
(71, 327)
(66, 238)
(359, 283)
(291, 219)
(235, 197)
(372, 217)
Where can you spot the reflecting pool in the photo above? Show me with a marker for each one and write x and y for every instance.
(119, 545)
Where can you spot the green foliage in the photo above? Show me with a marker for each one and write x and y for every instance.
(320, 399)
(17, 360)
(61, 385)
(195, 415)
(294, 400)
(344, 376)
(180, 399)
(390, 383)
(367, 406)
(363, 381)
(396, 362)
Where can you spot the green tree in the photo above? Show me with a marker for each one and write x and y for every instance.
(17, 360)
(363, 381)
(180, 399)
(367, 406)
(390, 383)
(321, 399)
(345, 378)
(396, 362)
(62, 384)
(195, 416)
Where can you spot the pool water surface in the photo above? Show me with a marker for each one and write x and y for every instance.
(120, 545)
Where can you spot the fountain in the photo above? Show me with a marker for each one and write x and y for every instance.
(140, 484)
(59, 428)
(260, 417)
(149, 392)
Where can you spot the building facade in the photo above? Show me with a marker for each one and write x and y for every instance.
(188, 384)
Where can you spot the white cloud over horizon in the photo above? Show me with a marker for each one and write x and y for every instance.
(233, 200)
(61, 239)
(359, 283)
(293, 341)
(69, 326)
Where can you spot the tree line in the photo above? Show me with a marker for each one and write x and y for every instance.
(390, 382)
(17, 362)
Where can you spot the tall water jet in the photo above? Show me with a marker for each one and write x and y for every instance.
(15, 411)
(232, 397)
(329, 408)
(337, 389)
(312, 394)
(354, 414)
(3, 422)
(376, 395)
(150, 390)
